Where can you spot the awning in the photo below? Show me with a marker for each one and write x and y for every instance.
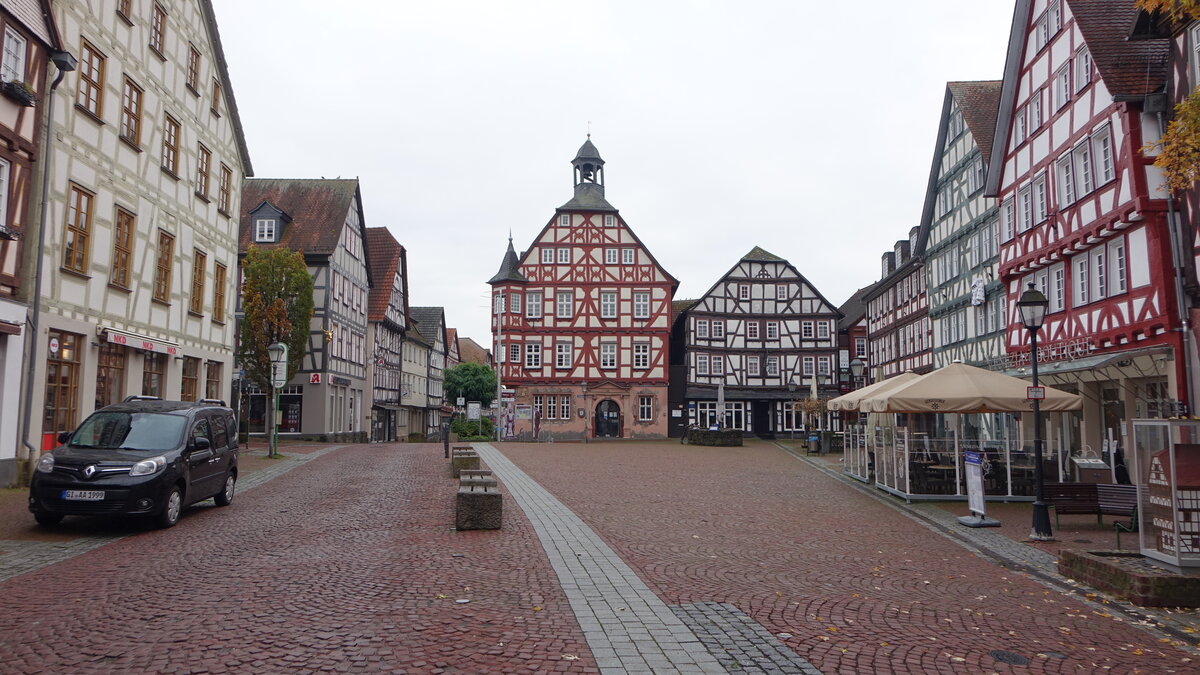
(1143, 362)
(10, 328)
(143, 342)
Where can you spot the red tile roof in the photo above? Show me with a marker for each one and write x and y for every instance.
(979, 103)
(1128, 68)
(385, 261)
(317, 207)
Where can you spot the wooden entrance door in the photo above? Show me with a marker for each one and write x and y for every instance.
(608, 419)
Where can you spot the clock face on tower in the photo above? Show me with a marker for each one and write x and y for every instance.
(977, 292)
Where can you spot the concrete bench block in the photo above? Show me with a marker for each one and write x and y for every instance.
(476, 481)
(460, 462)
(478, 508)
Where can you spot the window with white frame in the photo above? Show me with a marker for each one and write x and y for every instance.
(501, 352)
(808, 365)
(5, 172)
(564, 407)
(1019, 132)
(1081, 157)
(1058, 286)
(718, 365)
(547, 255)
(608, 304)
(718, 329)
(1054, 23)
(539, 406)
(702, 328)
(806, 330)
(641, 355)
(1083, 68)
(564, 219)
(514, 351)
(752, 365)
(1103, 153)
(1025, 208)
(264, 229)
(608, 355)
(533, 355)
(1062, 86)
(1039, 198)
(533, 304)
(772, 366)
(781, 292)
(1098, 264)
(1079, 281)
(1065, 180)
(564, 304)
(609, 221)
(564, 354)
(1041, 31)
(823, 367)
(860, 347)
(1008, 218)
(564, 256)
(772, 330)
(612, 256)
(641, 305)
(515, 307)
(823, 330)
(1035, 110)
(645, 403)
(743, 291)
(955, 126)
(12, 68)
(702, 364)
(1117, 267)
(752, 330)
(627, 256)
(1195, 37)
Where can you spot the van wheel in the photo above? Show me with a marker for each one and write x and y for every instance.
(171, 509)
(225, 497)
(47, 519)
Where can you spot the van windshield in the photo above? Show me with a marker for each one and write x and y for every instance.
(150, 432)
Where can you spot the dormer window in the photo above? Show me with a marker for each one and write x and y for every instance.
(264, 230)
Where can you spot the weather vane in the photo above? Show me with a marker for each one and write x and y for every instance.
(589, 129)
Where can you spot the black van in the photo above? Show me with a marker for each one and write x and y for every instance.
(141, 457)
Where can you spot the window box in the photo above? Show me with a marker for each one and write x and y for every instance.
(20, 93)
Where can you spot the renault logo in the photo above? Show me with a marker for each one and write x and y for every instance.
(89, 471)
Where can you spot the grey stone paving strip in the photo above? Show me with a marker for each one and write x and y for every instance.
(739, 642)
(21, 557)
(628, 628)
(1179, 626)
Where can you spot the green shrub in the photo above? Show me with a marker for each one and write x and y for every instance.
(471, 429)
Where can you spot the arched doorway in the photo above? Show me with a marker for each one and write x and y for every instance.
(608, 419)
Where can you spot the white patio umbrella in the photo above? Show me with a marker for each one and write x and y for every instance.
(851, 401)
(959, 388)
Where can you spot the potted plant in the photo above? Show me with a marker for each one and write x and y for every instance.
(20, 92)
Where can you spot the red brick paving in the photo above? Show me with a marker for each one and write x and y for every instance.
(860, 587)
(334, 566)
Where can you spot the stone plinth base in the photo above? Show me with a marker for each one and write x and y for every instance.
(1132, 577)
(478, 508)
(724, 437)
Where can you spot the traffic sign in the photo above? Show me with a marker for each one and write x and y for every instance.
(1035, 393)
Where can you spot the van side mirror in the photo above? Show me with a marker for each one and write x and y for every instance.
(201, 443)
(63, 437)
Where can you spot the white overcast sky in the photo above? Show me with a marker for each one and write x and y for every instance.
(803, 127)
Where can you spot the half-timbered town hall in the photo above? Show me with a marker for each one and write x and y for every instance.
(581, 323)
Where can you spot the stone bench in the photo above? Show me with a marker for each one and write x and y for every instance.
(476, 481)
(478, 508)
(462, 461)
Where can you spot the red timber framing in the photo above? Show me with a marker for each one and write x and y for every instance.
(584, 317)
(1083, 215)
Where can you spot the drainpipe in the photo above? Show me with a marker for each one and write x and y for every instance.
(65, 62)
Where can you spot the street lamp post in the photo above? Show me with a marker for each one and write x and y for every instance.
(856, 371)
(792, 421)
(279, 362)
(1032, 307)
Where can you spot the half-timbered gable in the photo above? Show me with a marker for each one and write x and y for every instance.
(1083, 215)
(899, 338)
(966, 298)
(585, 304)
(757, 335)
(139, 263)
(388, 316)
(453, 358)
(431, 323)
(852, 340)
(323, 220)
(29, 38)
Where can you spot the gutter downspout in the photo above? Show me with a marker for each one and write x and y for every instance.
(1181, 290)
(65, 62)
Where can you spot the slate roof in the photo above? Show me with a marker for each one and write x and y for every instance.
(678, 307)
(317, 207)
(1128, 68)
(588, 151)
(429, 321)
(509, 267)
(385, 262)
(588, 197)
(35, 16)
(853, 309)
(757, 254)
(979, 102)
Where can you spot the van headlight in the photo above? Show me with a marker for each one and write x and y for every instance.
(147, 467)
(46, 464)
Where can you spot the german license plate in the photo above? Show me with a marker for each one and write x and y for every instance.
(83, 495)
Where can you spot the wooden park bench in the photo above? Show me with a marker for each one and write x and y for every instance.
(1104, 499)
(1119, 500)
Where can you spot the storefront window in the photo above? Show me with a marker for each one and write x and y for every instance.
(152, 374)
(110, 374)
(62, 385)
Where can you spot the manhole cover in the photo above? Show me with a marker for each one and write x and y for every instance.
(1009, 657)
